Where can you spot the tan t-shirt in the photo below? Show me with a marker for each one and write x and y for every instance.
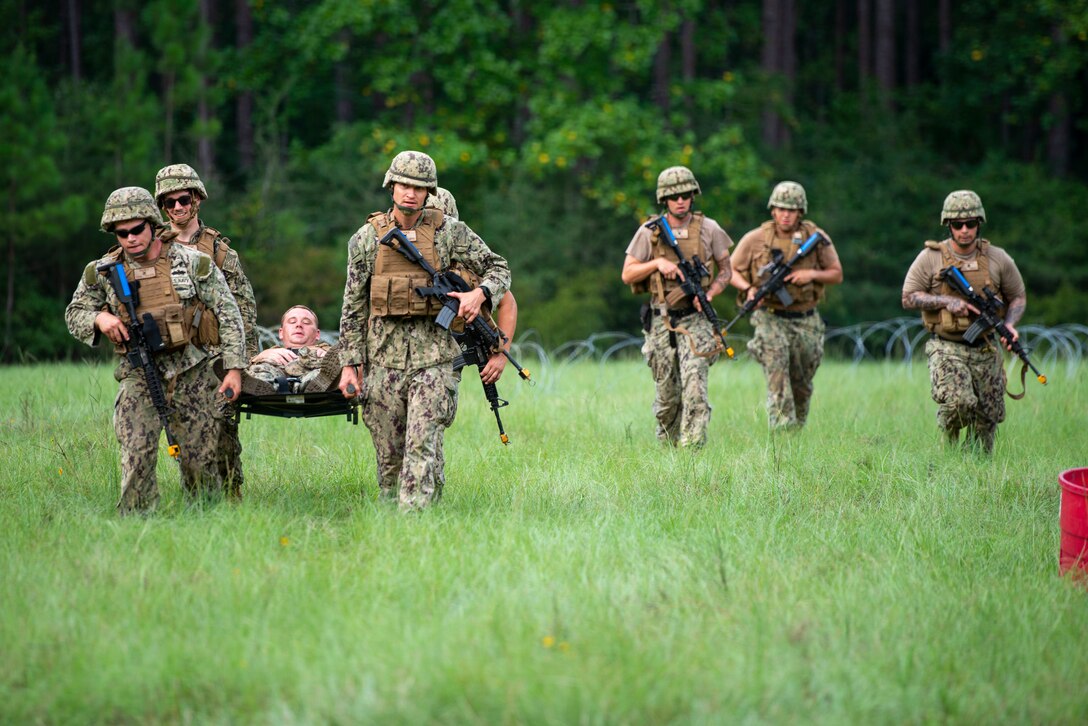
(922, 275)
(714, 241)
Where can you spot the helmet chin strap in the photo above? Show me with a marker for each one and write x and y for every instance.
(194, 209)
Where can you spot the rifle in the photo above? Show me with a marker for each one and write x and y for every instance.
(479, 340)
(692, 272)
(776, 271)
(144, 339)
(988, 305)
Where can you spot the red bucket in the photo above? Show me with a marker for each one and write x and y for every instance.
(1074, 521)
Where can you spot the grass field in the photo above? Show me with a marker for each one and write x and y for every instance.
(854, 573)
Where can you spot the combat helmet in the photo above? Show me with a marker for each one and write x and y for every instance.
(788, 195)
(443, 201)
(676, 180)
(129, 203)
(176, 178)
(414, 168)
(962, 204)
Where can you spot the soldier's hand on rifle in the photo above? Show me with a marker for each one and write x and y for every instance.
(801, 277)
(349, 377)
(111, 326)
(668, 269)
(471, 302)
(232, 383)
(959, 307)
(1015, 337)
(491, 372)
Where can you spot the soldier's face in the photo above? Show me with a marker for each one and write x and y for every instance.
(298, 328)
(134, 236)
(785, 219)
(178, 205)
(680, 204)
(406, 196)
(967, 232)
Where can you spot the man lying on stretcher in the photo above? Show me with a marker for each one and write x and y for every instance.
(298, 366)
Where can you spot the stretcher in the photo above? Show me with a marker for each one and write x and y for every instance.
(286, 403)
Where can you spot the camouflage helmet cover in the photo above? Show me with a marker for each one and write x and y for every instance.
(443, 201)
(414, 168)
(788, 195)
(676, 180)
(962, 204)
(129, 203)
(176, 178)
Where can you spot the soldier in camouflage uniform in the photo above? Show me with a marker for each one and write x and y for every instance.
(409, 388)
(174, 282)
(968, 381)
(788, 340)
(303, 355)
(180, 192)
(680, 344)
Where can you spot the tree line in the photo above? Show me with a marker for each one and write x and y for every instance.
(550, 122)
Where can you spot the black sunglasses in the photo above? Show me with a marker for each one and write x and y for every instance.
(683, 195)
(131, 231)
(968, 223)
(184, 200)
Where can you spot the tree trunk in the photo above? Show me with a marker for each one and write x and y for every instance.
(770, 63)
(865, 42)
(74, 40)
(342, 82)
(884, 55)
(662, 61)
(168, 116)
(840, 45)
(1059, 138)
(913, 45)
(944, 25)
(205, 145)
(243, 21)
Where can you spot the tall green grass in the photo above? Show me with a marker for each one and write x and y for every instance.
(855, 572)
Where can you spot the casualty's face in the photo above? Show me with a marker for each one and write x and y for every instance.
(298, 328)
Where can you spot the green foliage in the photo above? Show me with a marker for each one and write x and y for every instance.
(550, 123)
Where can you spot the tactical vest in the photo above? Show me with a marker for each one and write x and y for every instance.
(157, 296)
(661, 289)
(212, 243)
(393, 283)
(942, 322)
(805, 297)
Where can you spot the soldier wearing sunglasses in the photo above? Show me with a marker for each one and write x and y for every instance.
(680, 344)
(179, 192)
(789, 339)
(169, 283)
(967, 380)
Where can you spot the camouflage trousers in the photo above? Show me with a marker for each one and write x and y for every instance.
(681, 399)
(968, 385)
(407, 413)
(790, 351)
(230, 448)
(195, 424)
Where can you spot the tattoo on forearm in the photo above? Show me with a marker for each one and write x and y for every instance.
(925, 301)
(1015, 311)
